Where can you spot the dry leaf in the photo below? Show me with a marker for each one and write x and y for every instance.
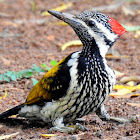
(51, 38)
(120, 92)
(127, 11)
(116, 87)
(59, 23)
(134, 104)
(48, 135)
(113, 56)
(138, 87)
(137, 34)
(138, 11)
(60, 8)
(118, 74)
(13, 116)
(71, 43)
(5, 95)
(131, 83)
(6, 61)
(8, 136)
(130, 78)
(8, 23)
(135, 95)
(72, 126)
(125, 96)
(121, 96)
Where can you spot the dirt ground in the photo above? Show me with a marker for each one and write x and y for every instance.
(27, 38)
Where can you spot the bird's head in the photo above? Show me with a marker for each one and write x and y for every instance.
(93, 28)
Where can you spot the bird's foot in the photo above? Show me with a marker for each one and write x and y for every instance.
(104, 116)
(122, 120)
(65, 129)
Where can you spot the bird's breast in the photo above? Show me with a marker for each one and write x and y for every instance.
(91, 82)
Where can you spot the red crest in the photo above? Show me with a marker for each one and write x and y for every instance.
(117, 28)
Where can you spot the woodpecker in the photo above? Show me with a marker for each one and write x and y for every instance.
(79, 84)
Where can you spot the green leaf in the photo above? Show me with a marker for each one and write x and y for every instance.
(36, 74)
(53, 62)
(33, 6)
(9, 73)
(45, 66)
(35, 81)
(19, 74)
(13, 77)
(131, 28)
(48, 68)
(27, 73)
(6, 78)
(37, 68)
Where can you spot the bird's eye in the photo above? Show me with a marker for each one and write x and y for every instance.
(91, 23)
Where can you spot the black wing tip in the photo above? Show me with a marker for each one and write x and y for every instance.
(10, 112)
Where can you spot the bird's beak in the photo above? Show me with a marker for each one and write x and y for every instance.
(68, 18)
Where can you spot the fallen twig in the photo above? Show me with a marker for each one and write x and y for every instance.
(4, 14)
(12, 89)
(4, 35)
(8, 136)
(108, 7)
(130, 78)
(36, 21)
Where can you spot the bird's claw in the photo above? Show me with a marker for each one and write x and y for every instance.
(80, 127)
(61, 129)
(122, 120)
(65, 129)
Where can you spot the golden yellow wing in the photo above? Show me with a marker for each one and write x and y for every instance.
(52, 85)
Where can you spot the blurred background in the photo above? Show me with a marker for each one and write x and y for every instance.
(32, 41)
(25, 28)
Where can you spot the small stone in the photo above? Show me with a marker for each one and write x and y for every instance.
(81, 120)
(1, 126)
(99, 134)
(137, 137)
(72, 138)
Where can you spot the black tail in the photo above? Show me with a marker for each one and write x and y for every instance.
(10, 112)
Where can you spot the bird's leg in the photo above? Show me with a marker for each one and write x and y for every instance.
(65, 129)
(103, 115)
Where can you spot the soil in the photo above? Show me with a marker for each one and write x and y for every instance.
(27, 38)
